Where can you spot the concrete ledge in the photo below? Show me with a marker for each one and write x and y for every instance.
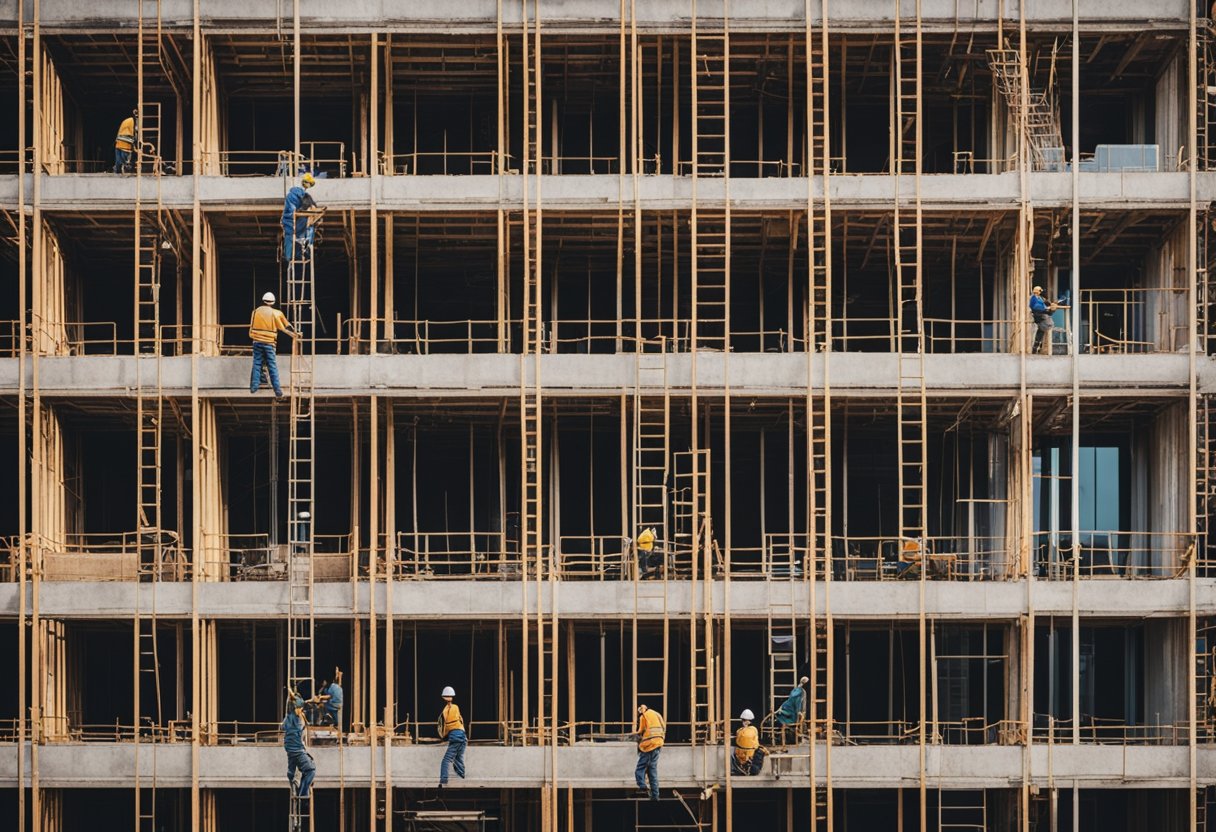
(746, 374)
(610, 766)
(659, 15)
(444, 600)
(981, 192)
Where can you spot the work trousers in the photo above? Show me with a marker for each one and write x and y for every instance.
(296, 231)
(1043, 327)
(122, 160)
(264, 354)
(750, 768)
(648, 768)
(454, 756)
(301, 760)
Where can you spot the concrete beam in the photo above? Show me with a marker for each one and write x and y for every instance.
(747, 374)
(610, 765)
(473, 600)
(430, 16)
(437, 194)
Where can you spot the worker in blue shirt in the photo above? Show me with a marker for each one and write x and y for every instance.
(1041, 311)
(293, 744)
(330, 700)
(297, 229)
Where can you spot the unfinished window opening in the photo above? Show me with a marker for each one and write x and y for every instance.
(89, 697)
(249, 262)
(970, 688)
(965, 278)
(257, 114)
(82, 808)
(1116, 810)
(437, 301)
(91, 84)
(95, 500)
(1133, 100)
(251, 542)
(1132, 494)
(251, 657)
(452, 478)
(10, 75)
(1123, 676)
(955, 103)
(967, 485)
(89, 307)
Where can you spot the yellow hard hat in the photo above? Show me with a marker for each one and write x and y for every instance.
(307, 181)
(646, 539)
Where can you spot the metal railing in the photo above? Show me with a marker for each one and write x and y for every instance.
(1111, 554)
(251, 557)
(142, 555)
(1106, 731)
(1121, 321)
(327, 157)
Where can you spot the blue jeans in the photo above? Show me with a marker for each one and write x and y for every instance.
(296, 229)
(648, 767)
(264, 353)
(301, 760)
(122, 158)
(454, 756)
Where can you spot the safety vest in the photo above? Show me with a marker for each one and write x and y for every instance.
(747, 740)
(125, 140)
(450, 719)
(651, 730)
(265, 324)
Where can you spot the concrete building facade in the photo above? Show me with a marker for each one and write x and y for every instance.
(754, 275)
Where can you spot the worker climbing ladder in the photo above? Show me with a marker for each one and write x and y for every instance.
(301, 313)
(150, 225)
(710, 159)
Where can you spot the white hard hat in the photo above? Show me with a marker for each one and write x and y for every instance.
(747, 714)
(304, 515)
(268, 297)
(448, 691)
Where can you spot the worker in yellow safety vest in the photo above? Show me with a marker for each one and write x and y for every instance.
(264, 327)
(651, 730)
(749, 756)
(451, 728)
(124, 143)
(650, 561)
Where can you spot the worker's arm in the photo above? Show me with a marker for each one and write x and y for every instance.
(283, 325)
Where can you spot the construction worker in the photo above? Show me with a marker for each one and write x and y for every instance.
(650, 562)
(293, 744)
(1041, 311)
(749, 756)
(264, 328)
(124, 143)
(649, 736)
(451, 728)
(297, 230)
(790, 714)
(330, 700)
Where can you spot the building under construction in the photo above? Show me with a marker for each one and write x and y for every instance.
(753, 274)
